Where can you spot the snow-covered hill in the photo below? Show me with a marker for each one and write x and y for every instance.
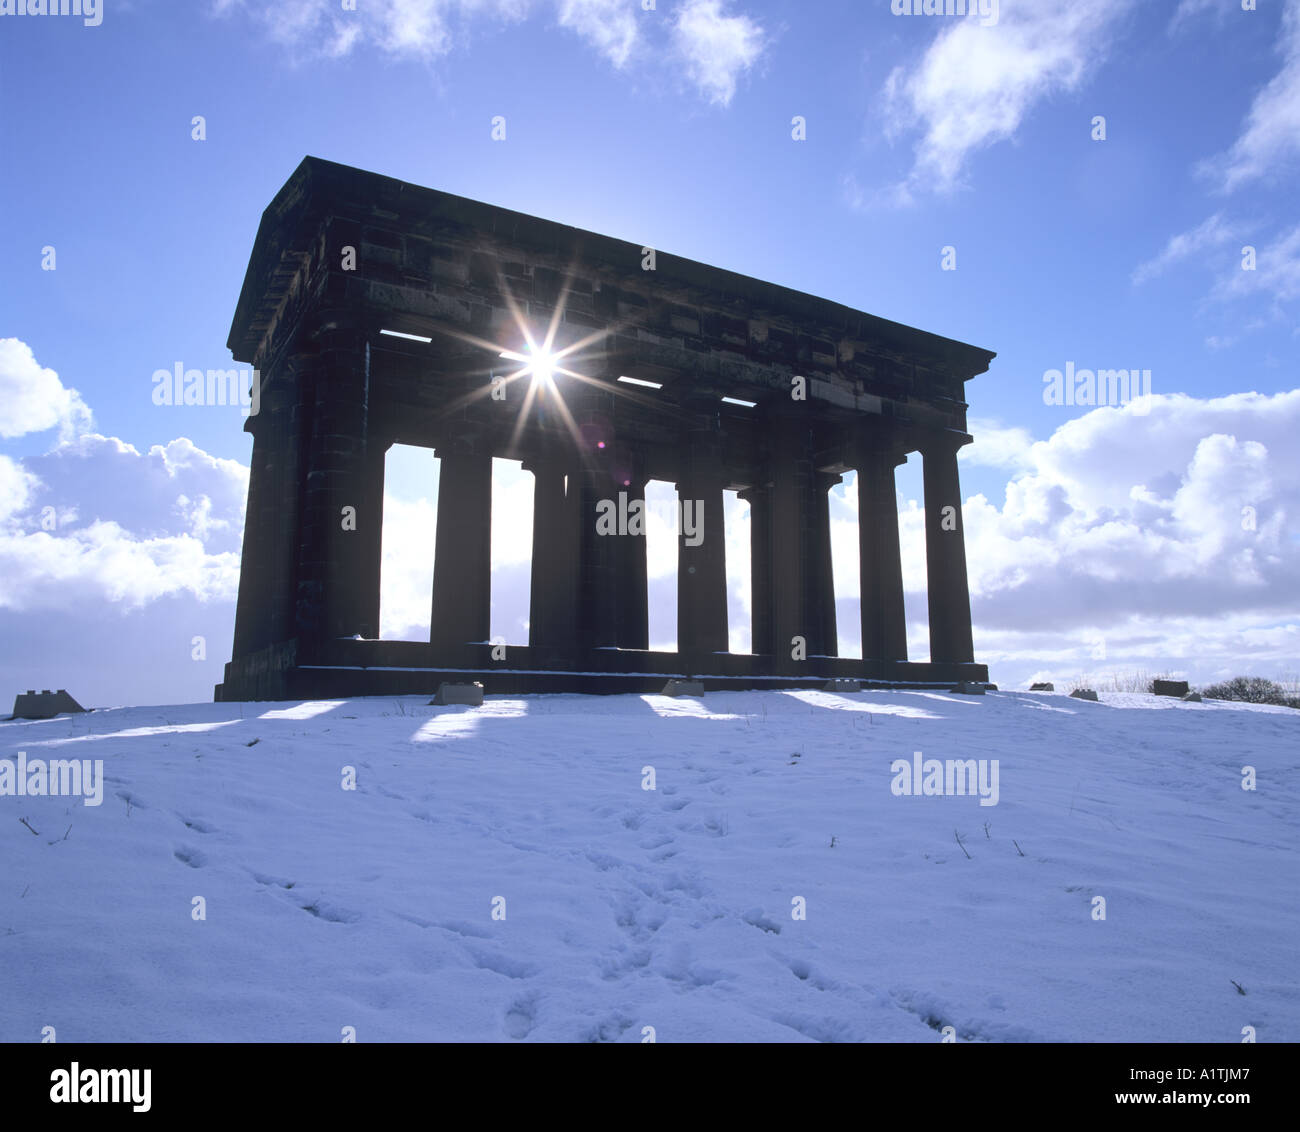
(670, 908)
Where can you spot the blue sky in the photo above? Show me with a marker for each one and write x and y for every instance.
(1160, 535)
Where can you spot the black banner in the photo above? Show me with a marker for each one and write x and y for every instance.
(172, 1081)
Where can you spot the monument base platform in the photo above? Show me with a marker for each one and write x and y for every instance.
(345, 668)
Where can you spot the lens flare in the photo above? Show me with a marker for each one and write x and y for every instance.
(539, 364)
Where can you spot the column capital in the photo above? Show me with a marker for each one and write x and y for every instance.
(869, 458)
(781, 412)
(877, 443)
(456, 446)
(943, 442)
(333, 323)
(701, 410)
(540, 462)
(702, 394)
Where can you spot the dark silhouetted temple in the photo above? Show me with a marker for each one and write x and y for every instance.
(816, 390)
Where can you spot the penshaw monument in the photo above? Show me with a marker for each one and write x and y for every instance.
(377, 313)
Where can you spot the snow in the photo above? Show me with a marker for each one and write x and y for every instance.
(669, 908)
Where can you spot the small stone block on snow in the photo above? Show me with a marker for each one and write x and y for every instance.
(1084, 694)
(683, 688)
(45, 705)
(1176, 688)
(470, 695)
(1044, 687)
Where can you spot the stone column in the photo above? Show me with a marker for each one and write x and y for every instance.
(598, 532)
(793, 538)
(339, 524)
(701, 551)
(884, 623)
(376, 458)
(462, 567)
(759, 498)
(288, 402)
(252, 606)
(553, 604)
(632, 609)
(945, 551)
(823, 574)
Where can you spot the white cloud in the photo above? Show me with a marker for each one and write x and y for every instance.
(1212, 233)
(714, 47)
(975, 85)
(1183, 511)
(1272, 282)
(996, 446)
(1126, 542)
(410, 545)
(34, 398)
(1270, 139)
(610, 26)
(95, 520)
(122, 526)
(16, 487)
(1189, 10)
(412, 28)
(158, 492)
(104, 562)
(1276, 275)
(406, 569)
(1268, 143)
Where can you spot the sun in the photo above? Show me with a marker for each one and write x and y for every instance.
(542, 366)
(539, 364)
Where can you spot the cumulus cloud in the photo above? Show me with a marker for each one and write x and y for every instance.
(34, 398)
(996, 445)
(975, 85)
(410, 544)
(1180, 512)
(1131, 542)
(16, 487)
(406, 567)
(96, 520)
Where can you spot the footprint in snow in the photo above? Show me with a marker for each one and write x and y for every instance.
(188, 855)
